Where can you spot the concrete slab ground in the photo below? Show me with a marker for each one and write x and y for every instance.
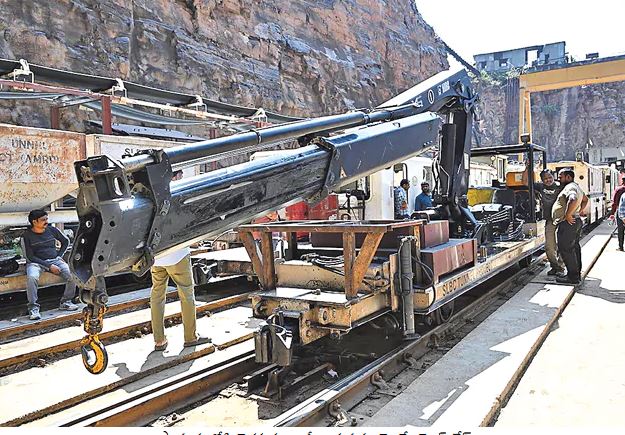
(141, 386)
(467, 384)
(39, 391)
(577, 377)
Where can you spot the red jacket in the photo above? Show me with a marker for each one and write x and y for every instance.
(618, 192)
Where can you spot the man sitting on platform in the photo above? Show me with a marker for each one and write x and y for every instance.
(39, 247)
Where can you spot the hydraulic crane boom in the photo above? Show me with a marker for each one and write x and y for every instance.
(126, 218)
(129, 211)
(452, 98)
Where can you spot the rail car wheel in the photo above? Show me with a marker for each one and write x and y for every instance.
(525, 262)
(145, 279)
(444, 313)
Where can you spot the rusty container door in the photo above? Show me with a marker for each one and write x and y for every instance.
(37, 166)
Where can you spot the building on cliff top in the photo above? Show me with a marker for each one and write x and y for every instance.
(536, 55)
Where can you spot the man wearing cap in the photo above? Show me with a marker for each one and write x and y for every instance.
(566, 216)
(423, 200)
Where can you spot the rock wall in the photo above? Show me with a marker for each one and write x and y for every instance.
(562, 120)
(292, 56)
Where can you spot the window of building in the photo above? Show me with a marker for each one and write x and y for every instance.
(531, 57)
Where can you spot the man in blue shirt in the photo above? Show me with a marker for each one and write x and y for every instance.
(423, 200)
(39, 247)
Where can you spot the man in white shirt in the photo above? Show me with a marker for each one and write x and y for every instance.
(177, 266)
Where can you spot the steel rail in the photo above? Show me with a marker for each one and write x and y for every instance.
(115, 333)
(168, 395)
(71, 317)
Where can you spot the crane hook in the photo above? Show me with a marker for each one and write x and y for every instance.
(94, 355)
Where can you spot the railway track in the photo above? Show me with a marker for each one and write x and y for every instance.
(23, 352)
(123, 298)
(174, 399)
(332, 406)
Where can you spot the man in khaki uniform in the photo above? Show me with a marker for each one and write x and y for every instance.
(566, 216)
(177, 266)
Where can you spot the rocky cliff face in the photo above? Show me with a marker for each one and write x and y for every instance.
(562, 120)
(293, 56)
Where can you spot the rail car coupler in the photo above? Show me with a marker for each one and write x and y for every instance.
(273, 343)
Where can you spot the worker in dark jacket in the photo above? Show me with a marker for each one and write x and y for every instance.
(39, 247)
(615, 214)
(549, 191)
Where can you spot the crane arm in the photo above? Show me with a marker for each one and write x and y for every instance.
(129, 210)
(128, 217)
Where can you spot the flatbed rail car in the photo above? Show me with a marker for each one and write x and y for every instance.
(354, 272)
(330, 294)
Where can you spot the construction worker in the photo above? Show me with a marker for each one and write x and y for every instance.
(621, 211)
(570, 202)
(423, 200)
(39, 247)
(550, 190)
(401, 200)
(615, 213)
(177, 266)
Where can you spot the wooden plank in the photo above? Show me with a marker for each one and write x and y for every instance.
(363, 260)
(349, 256)
(252, 250)
(292, 252)
(320, 228)
(269, 269)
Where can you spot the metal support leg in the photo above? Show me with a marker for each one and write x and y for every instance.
(407, 291)
(107, 122)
